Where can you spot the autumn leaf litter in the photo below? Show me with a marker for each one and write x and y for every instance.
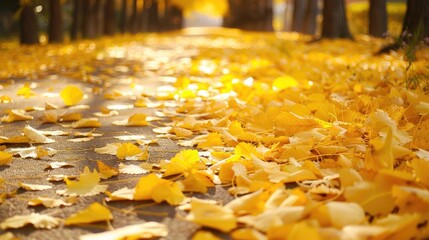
(322, 142)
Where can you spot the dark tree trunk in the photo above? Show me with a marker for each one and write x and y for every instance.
(175, 17)
(29, 29)
(109, 18)
(253, 15)
(153, 18)
(377, 18)
(334, 20)
(170, 17)
(416, 19)
(134, 18)
(99, 17)
(89, 24)
(77, 19)
(304, 16)
(415, 28)
(56, 34)
(124, 17)
(144, 16)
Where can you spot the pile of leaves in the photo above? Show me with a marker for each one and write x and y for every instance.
(312, 141)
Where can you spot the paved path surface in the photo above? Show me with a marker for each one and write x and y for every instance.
(129, 70)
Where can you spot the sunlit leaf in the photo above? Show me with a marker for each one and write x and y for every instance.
(211, 215)
(87, 185)
(35, 135)
(5, 158)
(35, 219)
(16, 115)
(147, 230)
(94, 213)
(34, 187)
(106, 171)
(86, 122)
(182, 161)
(51, 202)
(127, 150)
(71, 95)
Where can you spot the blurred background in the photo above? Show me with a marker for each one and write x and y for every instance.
(133, 16)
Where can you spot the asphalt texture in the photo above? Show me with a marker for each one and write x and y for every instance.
(152, 61)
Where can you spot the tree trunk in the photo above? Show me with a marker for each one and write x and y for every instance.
(153, 18)
(334, 20)
(99, 17)
(56, 34)
(175, 17)
(133, 18)
(109, 18)
(77, 19)
(377, 18)
(89, 26)
(124, 17)
(29, 29)
(415, 28)
(416, 21)
(304, 16)
(253, 15)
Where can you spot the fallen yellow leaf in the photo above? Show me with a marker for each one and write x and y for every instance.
(94, 213)
(71, 95)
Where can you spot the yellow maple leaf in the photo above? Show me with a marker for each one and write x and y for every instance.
(196, 181)
(16, 115)
(372, 198)
(204, 235)
(71, 95)
(106, 171)
(86, 122)
(36, 219)
(5, 158)
(151, 187)
(49, 117)
(127, 150)
(87, 185)
(291, 123)
(211, 215)
(94, 213)
(182, 161)
(138, 119)
(181, 132)
(145, 186)
(147, 230)
(167, 191)
(297, 231)
(212, 139)
(379, 154)
(51, 202)
(25, 91)
(284, 82)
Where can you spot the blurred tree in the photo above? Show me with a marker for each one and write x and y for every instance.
(109, 18)
(76, 19)
(253, 15)
(89, 24)
(304, 16)
(134, 18)
(123, 25)
(29, 28)
(99, 17)
(334, 20)
(415, 28)
(56, 34)
(153, 18)
(416, 22)
(377, 18)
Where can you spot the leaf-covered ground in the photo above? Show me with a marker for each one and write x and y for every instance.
(213, 136)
